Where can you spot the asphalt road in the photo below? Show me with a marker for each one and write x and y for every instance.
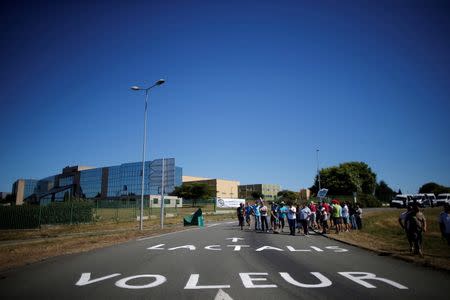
(222, 262)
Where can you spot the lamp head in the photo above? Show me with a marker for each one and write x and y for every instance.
(159, 82)
(135, 88)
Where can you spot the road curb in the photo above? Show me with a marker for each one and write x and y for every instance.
(385, 253)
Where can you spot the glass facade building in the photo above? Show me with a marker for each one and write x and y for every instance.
(91, 183)
(126, 179)
(106, 182)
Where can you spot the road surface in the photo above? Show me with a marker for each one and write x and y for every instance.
(220, 261)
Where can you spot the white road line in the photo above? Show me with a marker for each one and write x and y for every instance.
(160, 235)
(169, 233)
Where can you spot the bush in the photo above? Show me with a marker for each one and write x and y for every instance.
(365, 200)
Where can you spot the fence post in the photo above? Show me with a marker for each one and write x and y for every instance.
(71, 212)
(40, 209)
(117, 211)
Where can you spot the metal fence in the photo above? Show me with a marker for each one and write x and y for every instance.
(94, 210)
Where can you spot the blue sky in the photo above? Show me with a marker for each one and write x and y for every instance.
(253, 87)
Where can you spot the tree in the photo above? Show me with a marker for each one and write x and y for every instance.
(288, 196)
(194, 191)
(347, 178)
(432, 187)
(256, 195)
(383, 192)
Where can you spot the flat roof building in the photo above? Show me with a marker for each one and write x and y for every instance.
(222, 188)
(269, 191)
(107, 182)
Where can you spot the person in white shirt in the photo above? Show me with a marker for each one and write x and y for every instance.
(291, 218)
(345, 217)
(264, 215)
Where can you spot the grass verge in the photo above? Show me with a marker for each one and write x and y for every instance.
(382, 233)
(22, 247)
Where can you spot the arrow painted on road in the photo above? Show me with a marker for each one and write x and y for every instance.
(235, 239)
(221, 295)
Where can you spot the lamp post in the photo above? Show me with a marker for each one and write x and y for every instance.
(147, 90)
(163, 181)
(318, 173)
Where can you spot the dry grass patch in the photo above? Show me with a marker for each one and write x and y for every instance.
(382, 233)
(21, 247)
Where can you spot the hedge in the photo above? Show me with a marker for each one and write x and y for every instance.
(32, 216)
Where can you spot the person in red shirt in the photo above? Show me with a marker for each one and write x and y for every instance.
(312, 217)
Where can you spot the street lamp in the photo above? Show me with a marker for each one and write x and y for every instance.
(318, 173)
(147, 90)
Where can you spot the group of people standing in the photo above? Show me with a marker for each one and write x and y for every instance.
(321, 216)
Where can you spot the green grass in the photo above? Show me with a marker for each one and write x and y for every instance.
(382, 232)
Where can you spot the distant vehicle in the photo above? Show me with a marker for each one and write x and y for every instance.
(401, 200)
(442, 199)
(430, 200)
(423, 200)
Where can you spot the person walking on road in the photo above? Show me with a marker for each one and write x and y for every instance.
(291, 216)
(240, 214)
(444, 223)
(416, 225)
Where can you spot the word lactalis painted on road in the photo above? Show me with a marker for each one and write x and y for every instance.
(239, 247)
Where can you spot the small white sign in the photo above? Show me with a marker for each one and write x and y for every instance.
(227, 203)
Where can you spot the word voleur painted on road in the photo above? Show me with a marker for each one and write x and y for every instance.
(238, 247)
(249, 280)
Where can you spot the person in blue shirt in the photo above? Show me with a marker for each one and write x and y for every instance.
(248, 212)
(257, 215)
(283, 210)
